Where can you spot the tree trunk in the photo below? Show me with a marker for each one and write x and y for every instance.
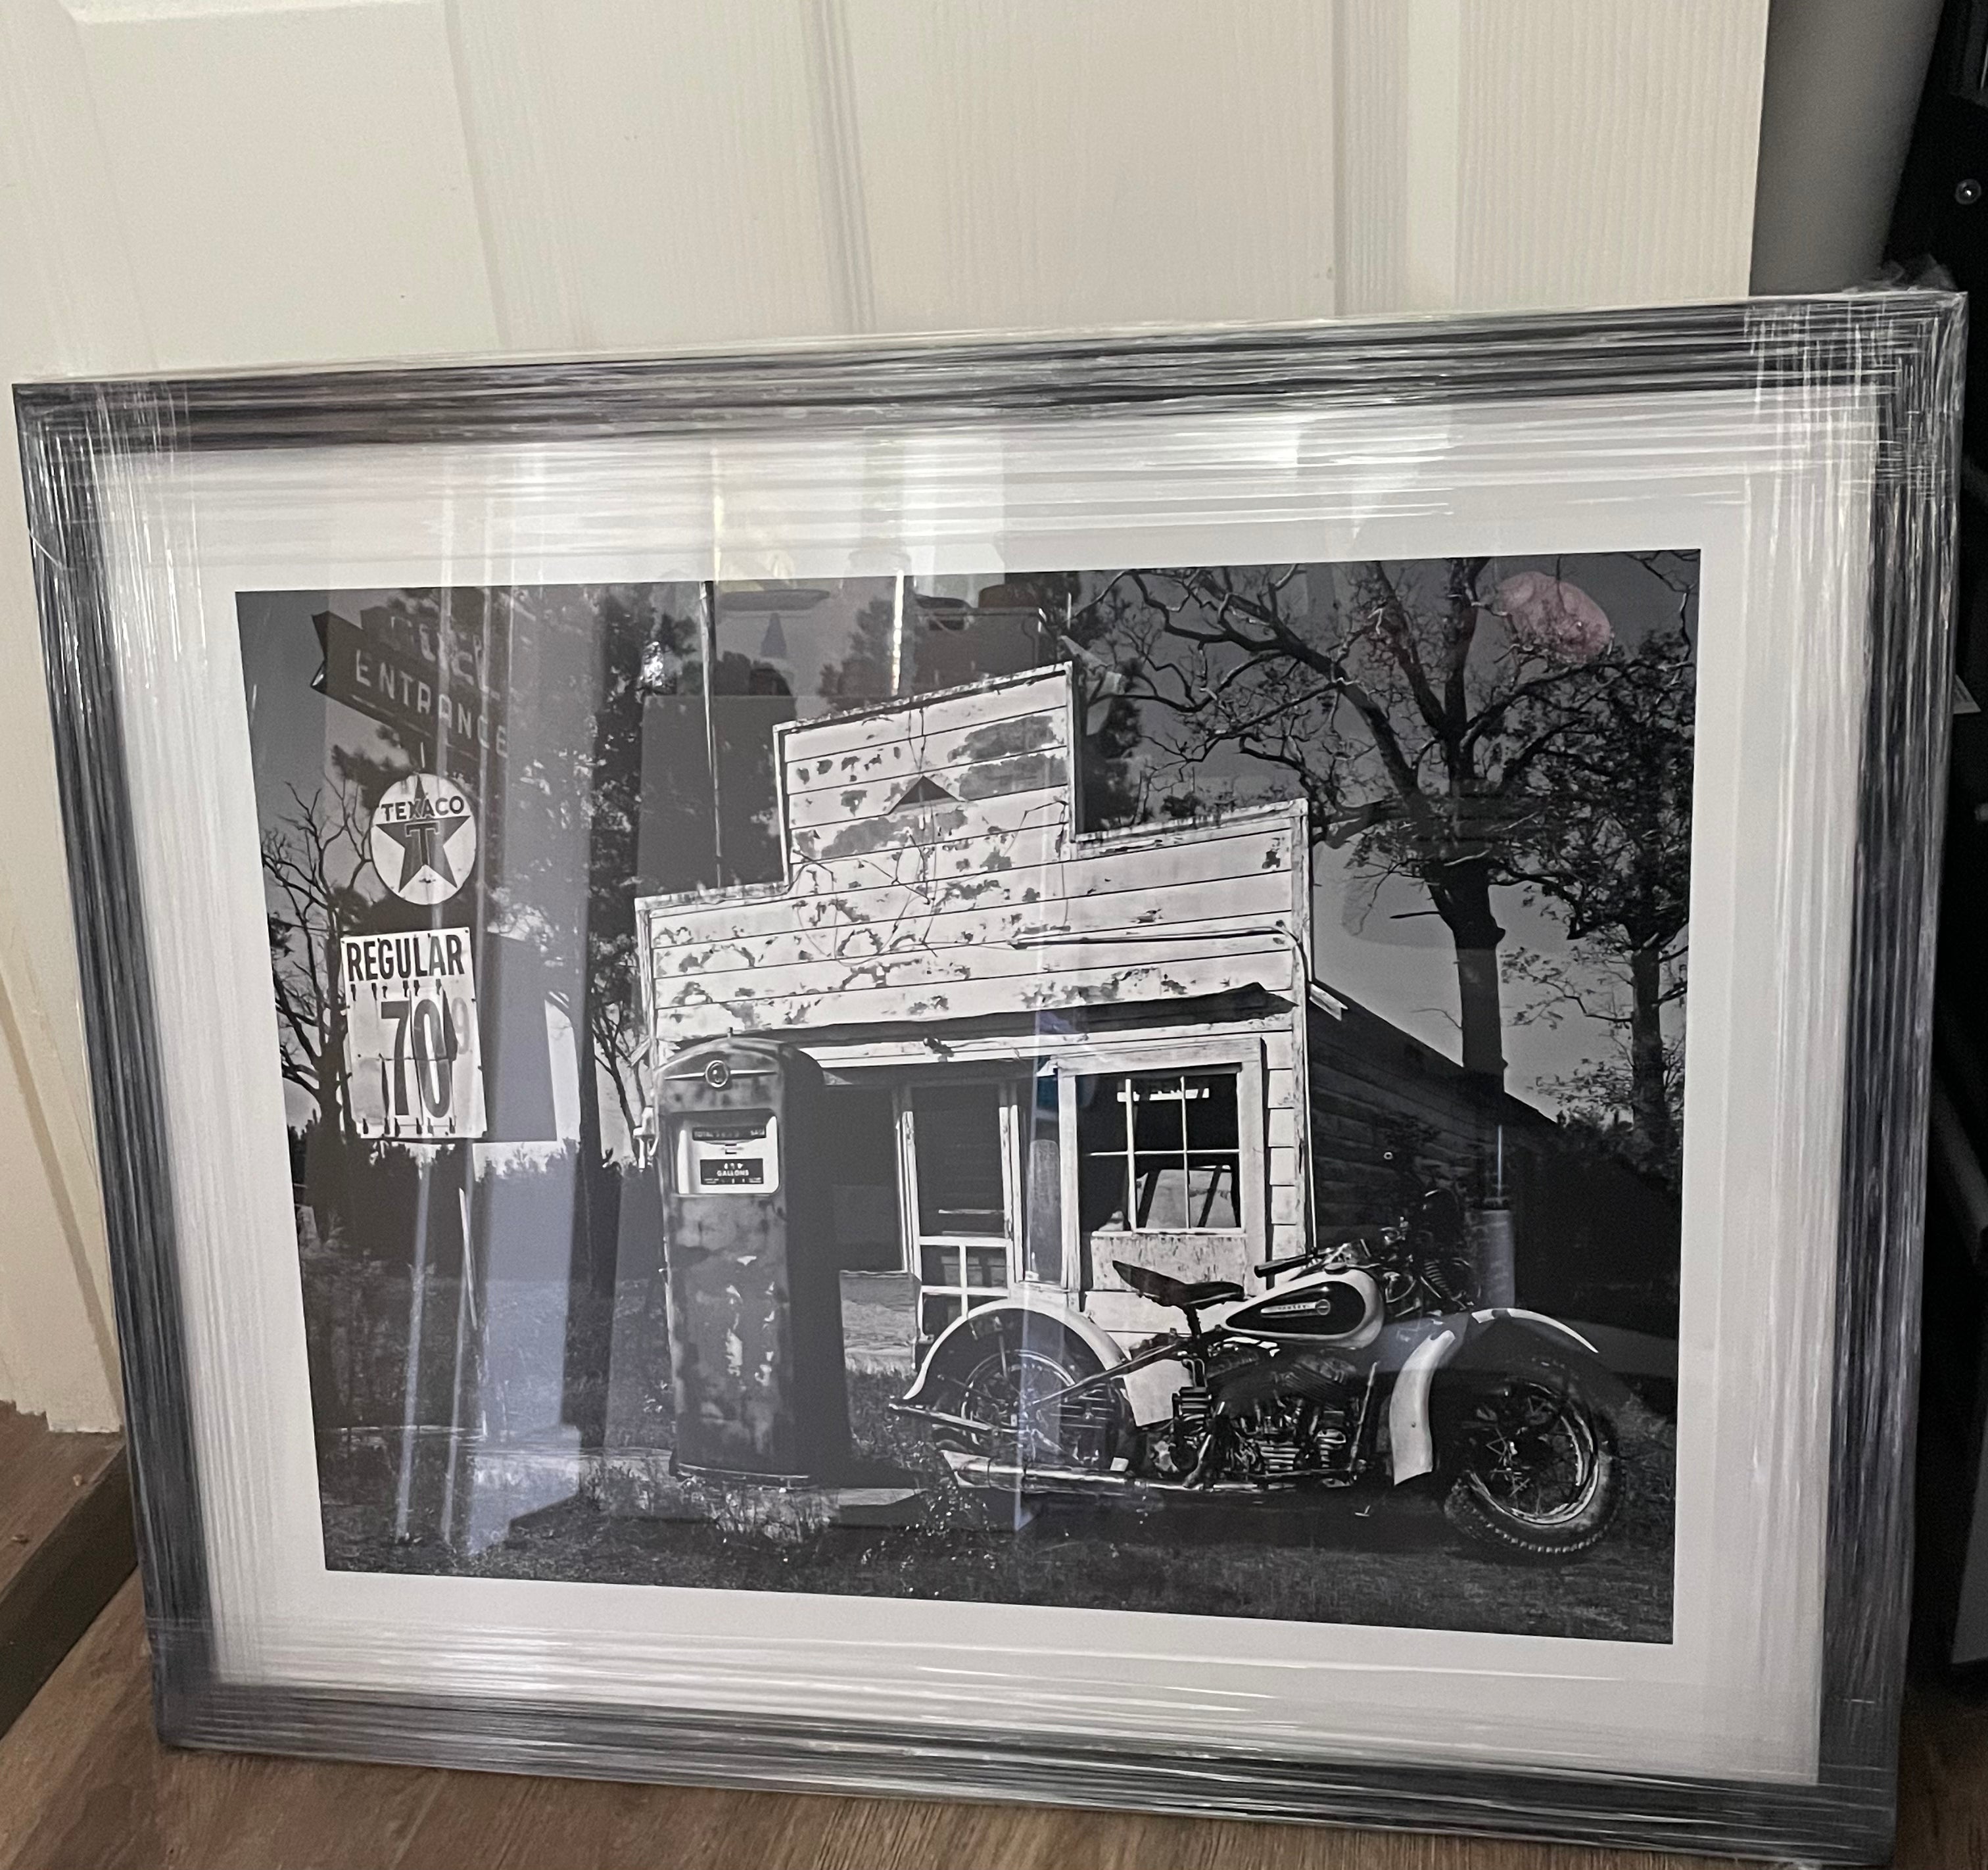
(1463, 901)
(330, 1194)
(614, 774)
(1649, 1097)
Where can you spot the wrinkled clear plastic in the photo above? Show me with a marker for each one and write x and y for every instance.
(599, 884)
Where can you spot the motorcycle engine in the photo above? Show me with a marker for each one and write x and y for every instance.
(1264, 1420)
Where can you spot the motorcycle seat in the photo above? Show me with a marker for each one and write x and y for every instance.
(1163, 1290)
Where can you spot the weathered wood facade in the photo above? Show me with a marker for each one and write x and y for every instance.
(946, 934)
(935, 873)
(1052, 1049)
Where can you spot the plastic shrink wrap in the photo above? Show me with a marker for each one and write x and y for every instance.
(1173, 1070)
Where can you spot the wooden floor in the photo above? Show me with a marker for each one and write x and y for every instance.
(84, 1786)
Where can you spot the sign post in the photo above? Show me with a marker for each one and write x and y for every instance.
(408, 982)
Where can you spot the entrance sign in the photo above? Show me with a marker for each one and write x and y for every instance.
(439, 686)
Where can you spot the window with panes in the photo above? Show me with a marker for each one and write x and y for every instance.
(1160, 1152)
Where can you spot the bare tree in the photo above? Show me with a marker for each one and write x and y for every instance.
(311, 862)
(1632, 1096)
(1609, 842)
(1406, 702)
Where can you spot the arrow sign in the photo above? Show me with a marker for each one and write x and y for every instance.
(434, 683)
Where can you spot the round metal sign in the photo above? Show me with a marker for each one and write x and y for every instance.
(424, 837)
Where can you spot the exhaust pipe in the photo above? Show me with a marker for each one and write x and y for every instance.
(972, 1470)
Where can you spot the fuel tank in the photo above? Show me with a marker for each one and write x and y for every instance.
(1342, 1308)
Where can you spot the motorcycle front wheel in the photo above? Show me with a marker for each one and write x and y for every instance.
(1537, 1475)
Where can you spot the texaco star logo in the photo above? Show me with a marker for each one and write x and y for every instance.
(424, 837)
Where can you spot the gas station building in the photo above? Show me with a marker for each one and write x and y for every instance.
(1041, 1049)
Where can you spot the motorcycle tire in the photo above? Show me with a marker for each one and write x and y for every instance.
(1519, 1415)
(990, 1389)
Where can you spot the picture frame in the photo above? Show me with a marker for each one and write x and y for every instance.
(1801, 452)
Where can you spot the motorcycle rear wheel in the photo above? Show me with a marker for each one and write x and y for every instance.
(1083, 1434)
(1538, 1476)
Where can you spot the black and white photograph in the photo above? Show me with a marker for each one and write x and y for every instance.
(1150, 1090)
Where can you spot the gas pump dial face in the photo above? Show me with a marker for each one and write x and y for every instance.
(729, 1152)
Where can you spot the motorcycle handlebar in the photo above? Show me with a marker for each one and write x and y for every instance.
(1343, 1236)
(1269, 1267)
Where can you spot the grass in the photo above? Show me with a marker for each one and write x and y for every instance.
(1363, 1556)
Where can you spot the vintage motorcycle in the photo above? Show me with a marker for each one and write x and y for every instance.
(1362, 1355)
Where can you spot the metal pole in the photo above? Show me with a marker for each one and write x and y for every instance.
(711, 722)
(465, 1328)
(1497, 1244)
(404, 1494)
(897, 635)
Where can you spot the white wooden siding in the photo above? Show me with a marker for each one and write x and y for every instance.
(1284, 1097)
(988, 904)
(942, 725)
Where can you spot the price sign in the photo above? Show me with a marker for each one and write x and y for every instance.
(415, 1064)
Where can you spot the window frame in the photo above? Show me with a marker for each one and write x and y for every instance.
(1130, 1156)
(1240, 1052)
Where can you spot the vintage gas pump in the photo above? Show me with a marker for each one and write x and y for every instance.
(754, 1295)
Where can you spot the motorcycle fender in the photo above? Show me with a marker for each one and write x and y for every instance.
(1537, 1322)
(1484, 1341)
(1497, 1332)
(1149, 1392)
(1411, 1437)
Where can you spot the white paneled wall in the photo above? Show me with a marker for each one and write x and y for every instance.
(192, 184)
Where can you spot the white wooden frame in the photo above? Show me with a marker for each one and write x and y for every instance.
(917, 1240)
(1128, 1056)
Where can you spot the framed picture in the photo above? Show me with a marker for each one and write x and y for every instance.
(1175, 1070)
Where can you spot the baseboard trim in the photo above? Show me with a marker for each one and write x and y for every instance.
(71, 1571)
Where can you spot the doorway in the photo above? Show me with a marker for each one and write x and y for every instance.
(962, 1179)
